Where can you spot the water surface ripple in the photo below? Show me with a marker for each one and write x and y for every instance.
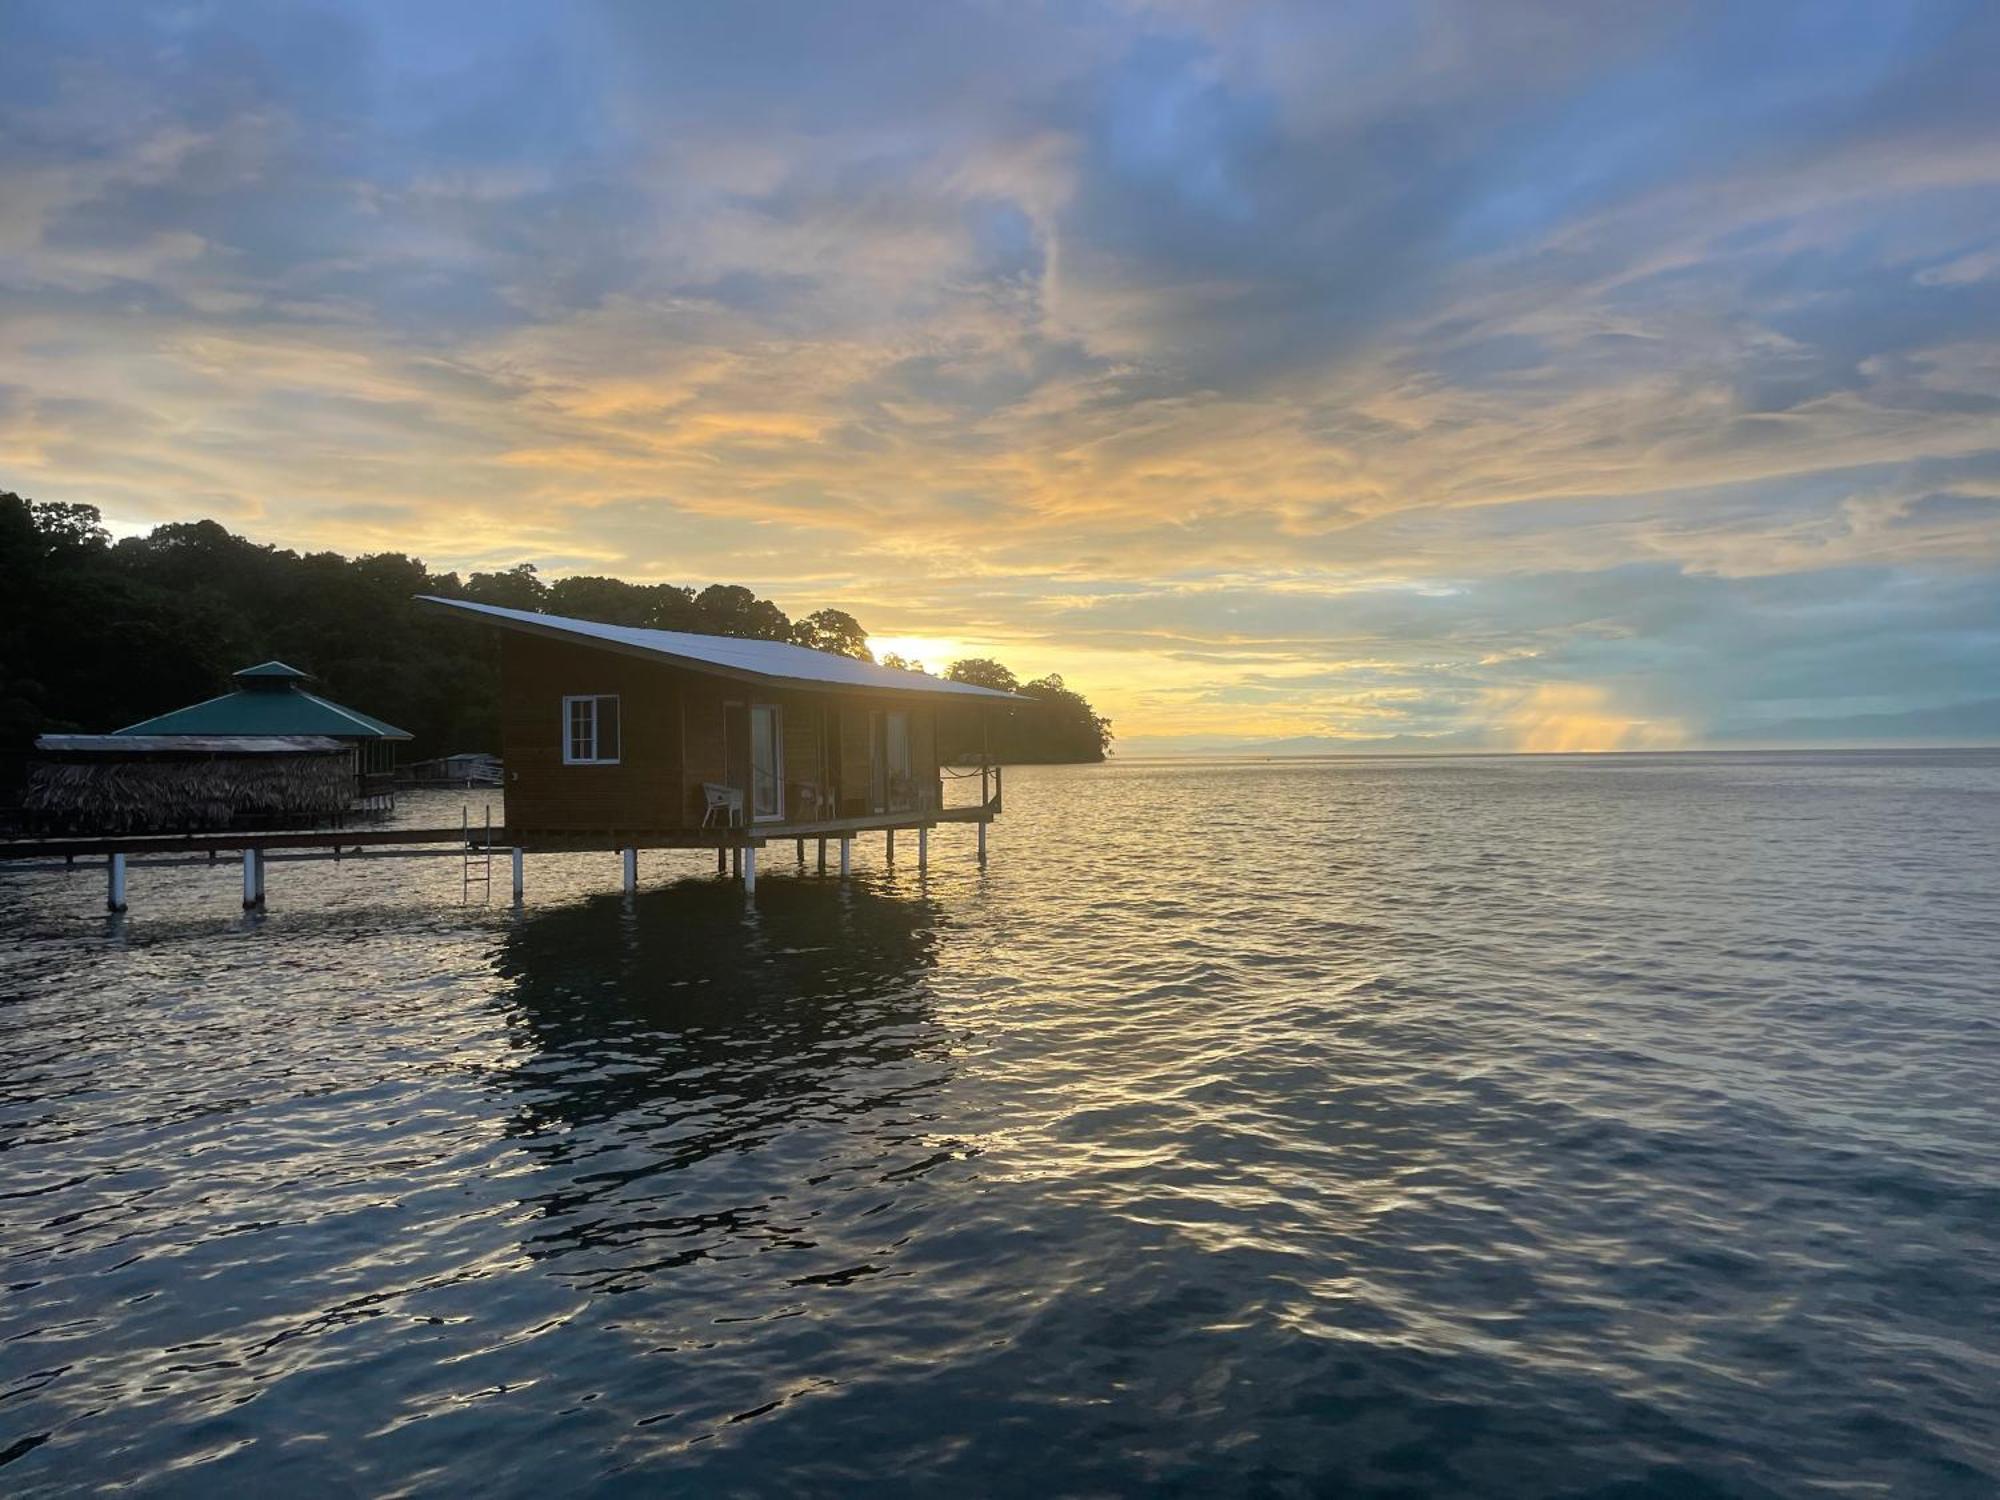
(1511, 1127)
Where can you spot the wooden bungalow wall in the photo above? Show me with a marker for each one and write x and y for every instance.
(679, 728)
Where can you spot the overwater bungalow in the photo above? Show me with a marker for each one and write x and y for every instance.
(662, 738)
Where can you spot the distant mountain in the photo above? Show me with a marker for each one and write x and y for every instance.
(1976, 723)
(1961, 724)
(1459, 742)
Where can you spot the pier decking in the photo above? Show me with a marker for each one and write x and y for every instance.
(736, 846)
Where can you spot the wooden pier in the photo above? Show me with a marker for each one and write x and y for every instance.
(736, 847)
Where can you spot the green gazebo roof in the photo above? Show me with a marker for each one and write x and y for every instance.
(270, 702)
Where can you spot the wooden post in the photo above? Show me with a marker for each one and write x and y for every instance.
(802, 853)
(889, 846)
(923, 850)
(750, 867)
(846, 853)
(822, 856)
(982, 843)
(114, 883)
(520, 872)
(736, 859)
(631, 872)
(721, 860)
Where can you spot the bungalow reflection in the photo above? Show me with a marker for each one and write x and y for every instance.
(703, 1081)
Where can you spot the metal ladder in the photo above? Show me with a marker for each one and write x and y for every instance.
(482, 862)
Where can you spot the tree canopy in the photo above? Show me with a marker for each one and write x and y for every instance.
(95, 635)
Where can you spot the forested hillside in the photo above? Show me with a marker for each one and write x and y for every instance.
(95, 635)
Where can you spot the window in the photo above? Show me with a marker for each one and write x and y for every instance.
(590, 730)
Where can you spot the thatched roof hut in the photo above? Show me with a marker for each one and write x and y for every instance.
(186, 783)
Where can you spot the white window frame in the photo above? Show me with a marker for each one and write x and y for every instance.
(569, 757)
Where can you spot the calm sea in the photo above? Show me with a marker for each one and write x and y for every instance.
(1506, 1127)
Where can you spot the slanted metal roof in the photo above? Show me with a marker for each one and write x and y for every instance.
(272, 669)
(283, 708)
(732, 656)
(190, 744)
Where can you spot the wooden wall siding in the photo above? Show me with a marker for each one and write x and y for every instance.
(675, 737)
(705, 739)
(641, 791)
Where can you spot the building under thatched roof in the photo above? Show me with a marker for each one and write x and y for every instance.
(271, 699)
(187, 783)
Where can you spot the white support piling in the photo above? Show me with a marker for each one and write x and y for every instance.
(750, 868)
(253, 879)
(982, 842)
(889, 847)
(631, 872)
(114, 883)
(520, 872)
(846, 854)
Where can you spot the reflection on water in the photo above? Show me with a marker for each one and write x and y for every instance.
(1510, 1127)
(673, 1046)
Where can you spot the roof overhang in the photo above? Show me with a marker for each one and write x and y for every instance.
(189, 744)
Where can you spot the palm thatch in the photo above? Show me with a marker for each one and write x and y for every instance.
(101, 788)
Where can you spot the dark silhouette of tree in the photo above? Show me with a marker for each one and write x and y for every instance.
(1068, 728)
(96, 635)
(982, 671)
(833, 630)
(515, 588)
(1056, 724)
(731, 609)
(611, 601)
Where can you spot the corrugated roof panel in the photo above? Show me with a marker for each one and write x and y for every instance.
(273, 669)
(778, 660)
(252, 711)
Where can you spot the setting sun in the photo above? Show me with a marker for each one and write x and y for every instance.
(933, 653)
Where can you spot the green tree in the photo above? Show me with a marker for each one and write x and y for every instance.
(833, 630)
(517, 587)
(609, 601)
(731, 609)
(1063, 726)
(982, 671)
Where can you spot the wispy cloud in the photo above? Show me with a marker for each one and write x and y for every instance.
(1277, 369)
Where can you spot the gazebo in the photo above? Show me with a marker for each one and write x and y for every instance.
(271, 699)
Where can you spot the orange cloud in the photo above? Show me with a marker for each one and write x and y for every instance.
(1566, 718)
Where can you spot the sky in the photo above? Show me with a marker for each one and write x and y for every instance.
(1412, 374)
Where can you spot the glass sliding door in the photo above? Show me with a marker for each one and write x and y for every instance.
(896, 748)
(767, 762)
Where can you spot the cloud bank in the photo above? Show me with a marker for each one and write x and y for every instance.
(1501, 373)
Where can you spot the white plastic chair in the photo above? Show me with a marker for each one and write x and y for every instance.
(726, 800)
